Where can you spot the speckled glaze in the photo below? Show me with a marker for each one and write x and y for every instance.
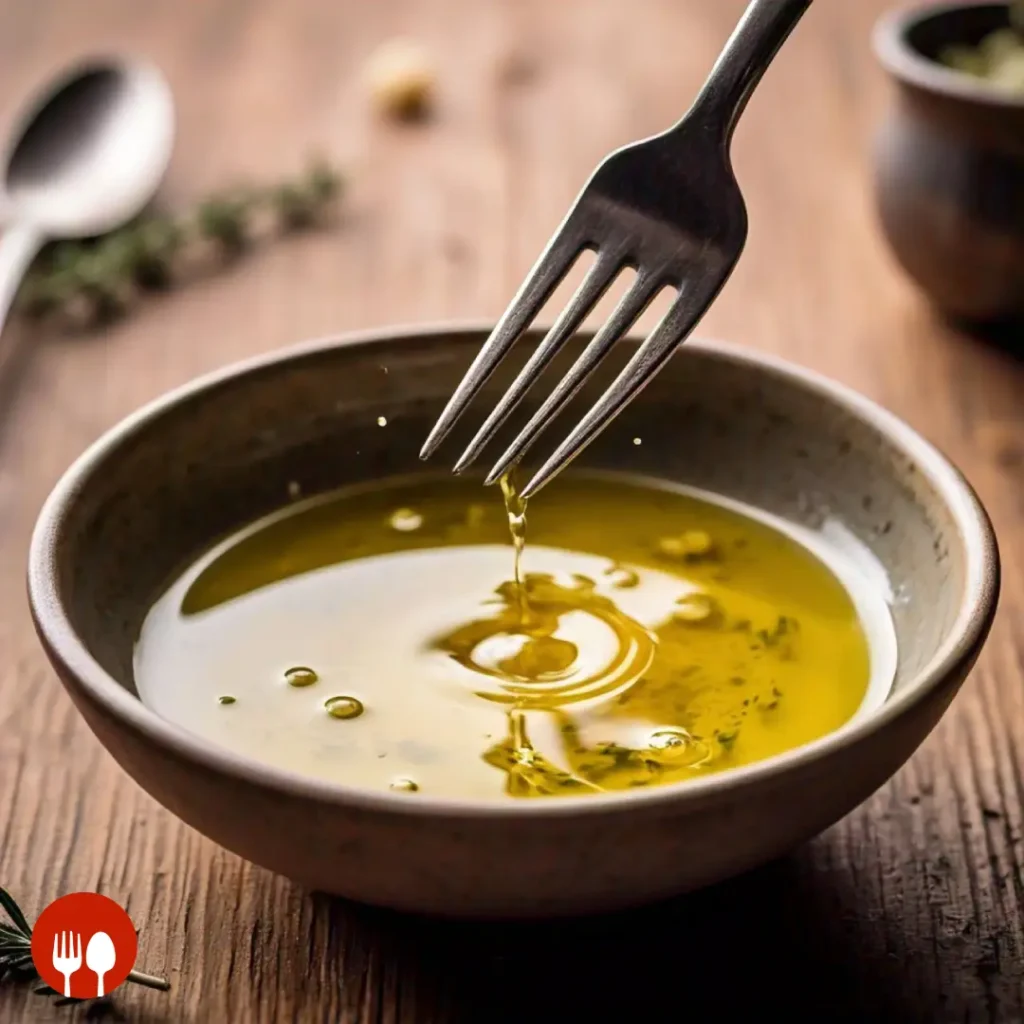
(153, 494)
(949, 166)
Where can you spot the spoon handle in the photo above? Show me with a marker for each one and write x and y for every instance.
(18, 246)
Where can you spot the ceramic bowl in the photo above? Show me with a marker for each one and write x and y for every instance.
(949, 166)
(158, 489)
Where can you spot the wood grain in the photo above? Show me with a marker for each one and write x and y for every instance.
(908, 910)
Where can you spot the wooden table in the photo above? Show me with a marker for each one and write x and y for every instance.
(910, 909)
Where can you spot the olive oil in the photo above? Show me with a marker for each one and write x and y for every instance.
(301, 676)
(647, 635)
(344, 707)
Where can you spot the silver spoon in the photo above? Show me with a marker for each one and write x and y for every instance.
(86, 157)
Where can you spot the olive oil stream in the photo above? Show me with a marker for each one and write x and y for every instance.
(538, 676)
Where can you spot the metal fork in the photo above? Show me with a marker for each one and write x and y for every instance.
(668, 207)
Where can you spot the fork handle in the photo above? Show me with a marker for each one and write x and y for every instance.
(764, 27)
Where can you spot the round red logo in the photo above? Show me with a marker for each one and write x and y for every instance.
(84, 945)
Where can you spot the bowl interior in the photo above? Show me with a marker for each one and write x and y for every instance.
(933, 30)
(909, 43)
(153, 495)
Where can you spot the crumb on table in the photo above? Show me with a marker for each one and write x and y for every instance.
(402, 79)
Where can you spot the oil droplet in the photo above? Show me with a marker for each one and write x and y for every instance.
(692, 545)
(405, 520)
(382, 421)
(621, 577)
(676, 747)
(344, 707)
(638, 440)
(694, 608)
(697, 542)
(226, 699)
(668, 741)
(300, 676)
(294, 490)
(405, 786)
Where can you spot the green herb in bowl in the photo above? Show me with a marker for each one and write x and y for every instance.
(998, 58)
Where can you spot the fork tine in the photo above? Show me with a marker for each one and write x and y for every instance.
(630, 306)
(594, 285)
(677, 323)
(543, 279)
(56, 954)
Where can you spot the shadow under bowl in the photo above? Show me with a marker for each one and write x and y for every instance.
(159, 489)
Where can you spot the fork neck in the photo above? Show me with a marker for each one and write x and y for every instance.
(764, 27)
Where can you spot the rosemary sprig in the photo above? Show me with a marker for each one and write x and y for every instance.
(89, 283)
(16, 955)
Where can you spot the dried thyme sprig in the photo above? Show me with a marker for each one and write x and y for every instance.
(16, 955)
(88, 283)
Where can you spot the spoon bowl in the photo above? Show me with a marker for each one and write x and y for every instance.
(92, 149)
(86, 156)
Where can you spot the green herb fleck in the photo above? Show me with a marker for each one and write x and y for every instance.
(727, 739)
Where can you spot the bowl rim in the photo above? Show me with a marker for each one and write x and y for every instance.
(62, 644)
(906, 65)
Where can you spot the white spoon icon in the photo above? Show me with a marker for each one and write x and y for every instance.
(100, 957)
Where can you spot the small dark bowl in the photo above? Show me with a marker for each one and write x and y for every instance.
(949, 166)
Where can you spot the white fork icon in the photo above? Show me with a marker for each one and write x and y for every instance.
(67, 959)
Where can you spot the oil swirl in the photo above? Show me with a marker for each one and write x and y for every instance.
(530, 666)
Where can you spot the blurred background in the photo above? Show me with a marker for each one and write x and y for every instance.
(908, 910)
(442, 218)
